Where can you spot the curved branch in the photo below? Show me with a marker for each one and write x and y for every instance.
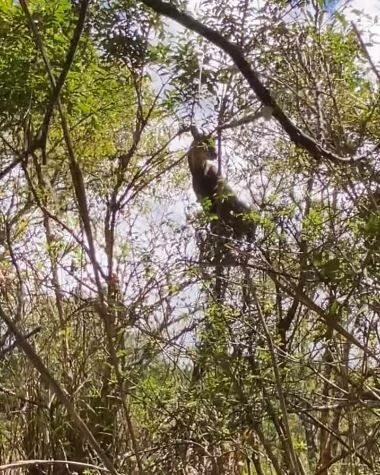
(64, 463)
(296, 135)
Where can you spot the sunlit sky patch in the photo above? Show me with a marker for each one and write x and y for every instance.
(366, 15)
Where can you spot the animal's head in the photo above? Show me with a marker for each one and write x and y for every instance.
(201, 150)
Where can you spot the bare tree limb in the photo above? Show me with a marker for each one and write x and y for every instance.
(83, 210)
(284, 283)
(297, 467)
(65, 463)
(13, 345)
(32, 402)
(61, 394)
(75, 170)
(296, 135)
(365, 51)
(351, 451)
(4, 172)
(247, 119)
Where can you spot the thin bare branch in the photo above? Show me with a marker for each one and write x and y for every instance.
(37, 463)
(297, 467)
(365, 51)
(61, 394)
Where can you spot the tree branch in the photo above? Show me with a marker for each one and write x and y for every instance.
(43, 131)
(298, 137)
(39, 141)
(41, 137)
(9, 348)
(4, 172)
(365, 51)
(247, 119)
(295, 462)
(64, 463)
(61, 394)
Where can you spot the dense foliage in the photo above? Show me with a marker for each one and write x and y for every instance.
(132, 337)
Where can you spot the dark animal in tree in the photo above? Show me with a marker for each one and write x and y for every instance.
(212, 191)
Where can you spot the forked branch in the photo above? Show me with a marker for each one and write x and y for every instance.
(296, 135)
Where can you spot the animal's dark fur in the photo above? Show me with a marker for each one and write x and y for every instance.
(213, 191)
